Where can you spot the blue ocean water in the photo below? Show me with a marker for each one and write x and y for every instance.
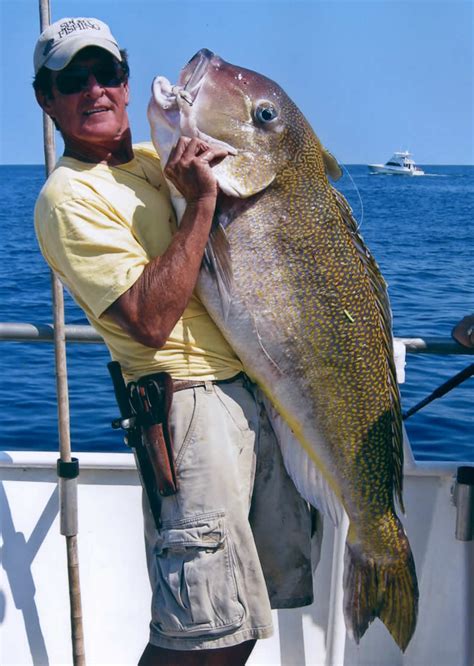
(419, 230)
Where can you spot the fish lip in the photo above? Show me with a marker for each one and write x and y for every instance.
(168, 99)
(192, 74)
(189, 82)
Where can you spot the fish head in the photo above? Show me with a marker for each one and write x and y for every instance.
(226, 105)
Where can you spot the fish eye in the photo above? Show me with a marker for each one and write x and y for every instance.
(265, 112)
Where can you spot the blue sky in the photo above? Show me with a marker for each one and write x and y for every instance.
(371, 76)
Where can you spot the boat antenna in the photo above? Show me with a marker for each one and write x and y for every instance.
(67, 467)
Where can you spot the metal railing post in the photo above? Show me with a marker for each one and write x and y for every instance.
(68, 468)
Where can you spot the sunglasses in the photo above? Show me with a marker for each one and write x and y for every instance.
(75, 79)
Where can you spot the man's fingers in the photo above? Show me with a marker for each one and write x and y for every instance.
(188, 148)
(178, 150)
(189, 167)
(214, 155)
(204, 151)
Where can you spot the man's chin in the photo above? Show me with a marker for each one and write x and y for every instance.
(103, 128)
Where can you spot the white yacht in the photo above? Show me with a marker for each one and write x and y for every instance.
(400, 164)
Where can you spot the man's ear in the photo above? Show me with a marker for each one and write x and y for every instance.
(44, 100)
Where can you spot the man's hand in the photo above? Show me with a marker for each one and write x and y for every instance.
(189, 168)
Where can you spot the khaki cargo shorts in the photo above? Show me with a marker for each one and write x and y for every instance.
(235, 540)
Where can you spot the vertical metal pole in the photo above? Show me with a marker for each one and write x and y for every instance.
(336, 635)
(67, 480)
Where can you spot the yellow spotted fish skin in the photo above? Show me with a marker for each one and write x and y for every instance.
(308, 314)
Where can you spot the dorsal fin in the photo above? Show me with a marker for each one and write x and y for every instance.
(331, 165)
(379, 289)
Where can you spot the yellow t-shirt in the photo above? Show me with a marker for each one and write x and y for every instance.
(98, 227)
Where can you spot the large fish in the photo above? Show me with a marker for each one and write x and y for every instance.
(292, 286)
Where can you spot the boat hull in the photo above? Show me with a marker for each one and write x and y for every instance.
(116, 594)
(394, 171)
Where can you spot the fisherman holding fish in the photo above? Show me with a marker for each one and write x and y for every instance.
(234, 540)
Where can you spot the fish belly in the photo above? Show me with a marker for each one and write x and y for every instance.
(291, 344)
(267, 355)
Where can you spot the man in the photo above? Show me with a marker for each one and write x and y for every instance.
(235, 539)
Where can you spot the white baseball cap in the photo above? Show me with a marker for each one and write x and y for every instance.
(59, 43)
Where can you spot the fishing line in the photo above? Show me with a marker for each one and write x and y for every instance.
(359, 224)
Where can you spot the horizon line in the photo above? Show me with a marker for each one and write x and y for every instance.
(426, 164)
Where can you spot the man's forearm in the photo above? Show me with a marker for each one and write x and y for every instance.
(149, 310)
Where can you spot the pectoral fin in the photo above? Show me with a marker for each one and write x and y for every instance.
(217, 260)
(308, 479)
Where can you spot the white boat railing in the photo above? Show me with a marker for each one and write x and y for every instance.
(41, 332)
(28, 332)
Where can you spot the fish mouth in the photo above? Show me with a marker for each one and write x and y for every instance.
(169, 97)
(181, 97)
(193, 73)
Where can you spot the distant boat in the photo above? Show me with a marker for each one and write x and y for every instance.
(400, 164)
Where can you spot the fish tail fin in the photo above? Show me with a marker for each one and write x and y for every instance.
(388, 591)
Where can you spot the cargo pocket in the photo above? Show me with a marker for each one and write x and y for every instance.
(197, 586)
